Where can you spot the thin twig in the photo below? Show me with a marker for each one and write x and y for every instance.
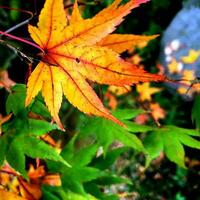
(22, 40)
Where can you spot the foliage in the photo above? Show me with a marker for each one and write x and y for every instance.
(49, 151)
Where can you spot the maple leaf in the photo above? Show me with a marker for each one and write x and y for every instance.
(174, 66)
(191, 57)
(5, 81)
(157, 112)
(71, 57)
(188, 76)
(146, 91)
(118, 42)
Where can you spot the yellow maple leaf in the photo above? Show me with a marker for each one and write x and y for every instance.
(70, 58)
(146, 91)
(191, 57)
(136, 59)
(187, 77)
(117, 42)
(174, 66)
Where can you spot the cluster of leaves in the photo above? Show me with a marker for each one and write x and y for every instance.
(38, 162)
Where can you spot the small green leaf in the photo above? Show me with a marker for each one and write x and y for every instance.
(38, 107)
(135, 128)
(15, 155)
(74, 177)
(110, 132)
(125, 114)
(170, 139)
(173, 149)
(175, 129)
(153, 144)
(57, 193)
(3, 148)
(189, 141)
(83, 174)
(104, 162)
(40, 127)
(15, 101)
(36, 148)
(81, 157)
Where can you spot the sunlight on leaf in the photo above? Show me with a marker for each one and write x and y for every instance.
(70, 59)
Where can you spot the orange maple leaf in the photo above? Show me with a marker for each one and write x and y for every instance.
(72, 56)
(157, 112)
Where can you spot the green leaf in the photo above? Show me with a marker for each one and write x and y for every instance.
(80, 157)
(3, 148)
(196, 111)
(74, 177)
(36, 148)
(153, 144)
(170, 139)
(57, 193)
(25, 126)
(15, 155)
(104, 162)
(83, 174)
(15, 101)
(39, 127)
(189, 141)
(135, 128)
(178, 130)
(108, 133)
(173, 149)
(38, 107)
(125, 114)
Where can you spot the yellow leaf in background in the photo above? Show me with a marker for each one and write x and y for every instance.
(191, 57)
(146, 91)
(112, 100)
(174, 66)
(52, 179)
(196, 87)
(136, 59)
(157, 112)
(5, 81)
(188, 75)
(183, 90)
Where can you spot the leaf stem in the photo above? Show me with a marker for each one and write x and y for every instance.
(21, 40)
